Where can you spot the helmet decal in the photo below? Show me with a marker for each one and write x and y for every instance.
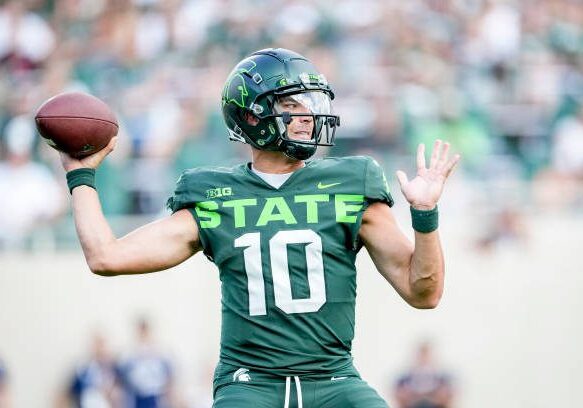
(237, 94)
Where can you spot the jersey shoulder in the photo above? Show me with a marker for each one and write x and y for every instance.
(203, 183)
(353, 166)
(210, 171)
(363, 174)
(332, 161)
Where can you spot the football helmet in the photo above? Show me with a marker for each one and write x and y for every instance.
(269, 90)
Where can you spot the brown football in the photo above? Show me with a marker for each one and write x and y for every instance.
(76, 123)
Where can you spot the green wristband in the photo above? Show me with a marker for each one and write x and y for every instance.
(425, 221)
(80, 177)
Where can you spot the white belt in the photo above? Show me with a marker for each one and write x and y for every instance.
(298, 391)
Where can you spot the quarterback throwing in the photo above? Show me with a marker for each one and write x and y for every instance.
(284, 232)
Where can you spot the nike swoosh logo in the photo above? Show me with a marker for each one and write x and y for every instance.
(322, 186)
(338, 378)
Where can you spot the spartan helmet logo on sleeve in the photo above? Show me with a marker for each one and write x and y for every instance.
(288, 96)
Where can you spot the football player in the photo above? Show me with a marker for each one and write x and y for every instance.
(284, 232)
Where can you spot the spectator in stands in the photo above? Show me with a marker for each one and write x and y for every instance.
(494, 76)
(4, 392)
(26, 39)
(31, 196)
(145, 376)
(567, 154)
(425, 384)
(92, 384)
(560, 185)
(506, 228)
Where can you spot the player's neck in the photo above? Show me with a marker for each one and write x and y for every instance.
(275, 162)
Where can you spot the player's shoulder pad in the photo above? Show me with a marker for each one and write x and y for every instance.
(348, 168)
(336, 161)
(376, 186)
(193, 184)
(352, 164)
(370, 174)
(363, 173)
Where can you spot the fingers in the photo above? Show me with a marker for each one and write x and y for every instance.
(443, 156)
(420, 157)
(107, 149)
(435, 154)
(69, 163)
(451, 165)
(111, 145)
(95, 159)
(439, 157)
(402, 178)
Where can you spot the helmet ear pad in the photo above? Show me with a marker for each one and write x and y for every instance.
(263, 131)
(276, 143)
(250, 118)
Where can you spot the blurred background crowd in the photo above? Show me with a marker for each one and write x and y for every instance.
(502, 80)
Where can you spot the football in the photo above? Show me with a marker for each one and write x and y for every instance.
(76, 123)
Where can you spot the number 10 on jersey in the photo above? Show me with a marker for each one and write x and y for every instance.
(278, 260)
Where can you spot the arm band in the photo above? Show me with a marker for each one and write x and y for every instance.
(425, 221)
(80, 177)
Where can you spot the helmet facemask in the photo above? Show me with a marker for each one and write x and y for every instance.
(304, 121)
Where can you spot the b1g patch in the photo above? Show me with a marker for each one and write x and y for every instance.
(219, 192)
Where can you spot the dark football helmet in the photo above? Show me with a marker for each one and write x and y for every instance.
(256, 88)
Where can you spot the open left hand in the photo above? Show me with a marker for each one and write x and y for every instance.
(424, 190)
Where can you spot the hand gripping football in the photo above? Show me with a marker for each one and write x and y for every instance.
(76, 123)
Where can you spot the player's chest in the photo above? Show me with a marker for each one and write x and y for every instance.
(306, 209)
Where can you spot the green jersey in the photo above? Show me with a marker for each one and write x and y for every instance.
(286, 258)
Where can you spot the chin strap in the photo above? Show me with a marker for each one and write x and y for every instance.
(297, 151)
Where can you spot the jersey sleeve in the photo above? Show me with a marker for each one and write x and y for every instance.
(369, 183)
(190, 190)
(187, 193)
(376, 187)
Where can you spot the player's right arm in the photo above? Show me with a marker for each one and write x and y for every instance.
(154, 247)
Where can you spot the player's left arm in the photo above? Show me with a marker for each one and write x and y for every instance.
(416, 271)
